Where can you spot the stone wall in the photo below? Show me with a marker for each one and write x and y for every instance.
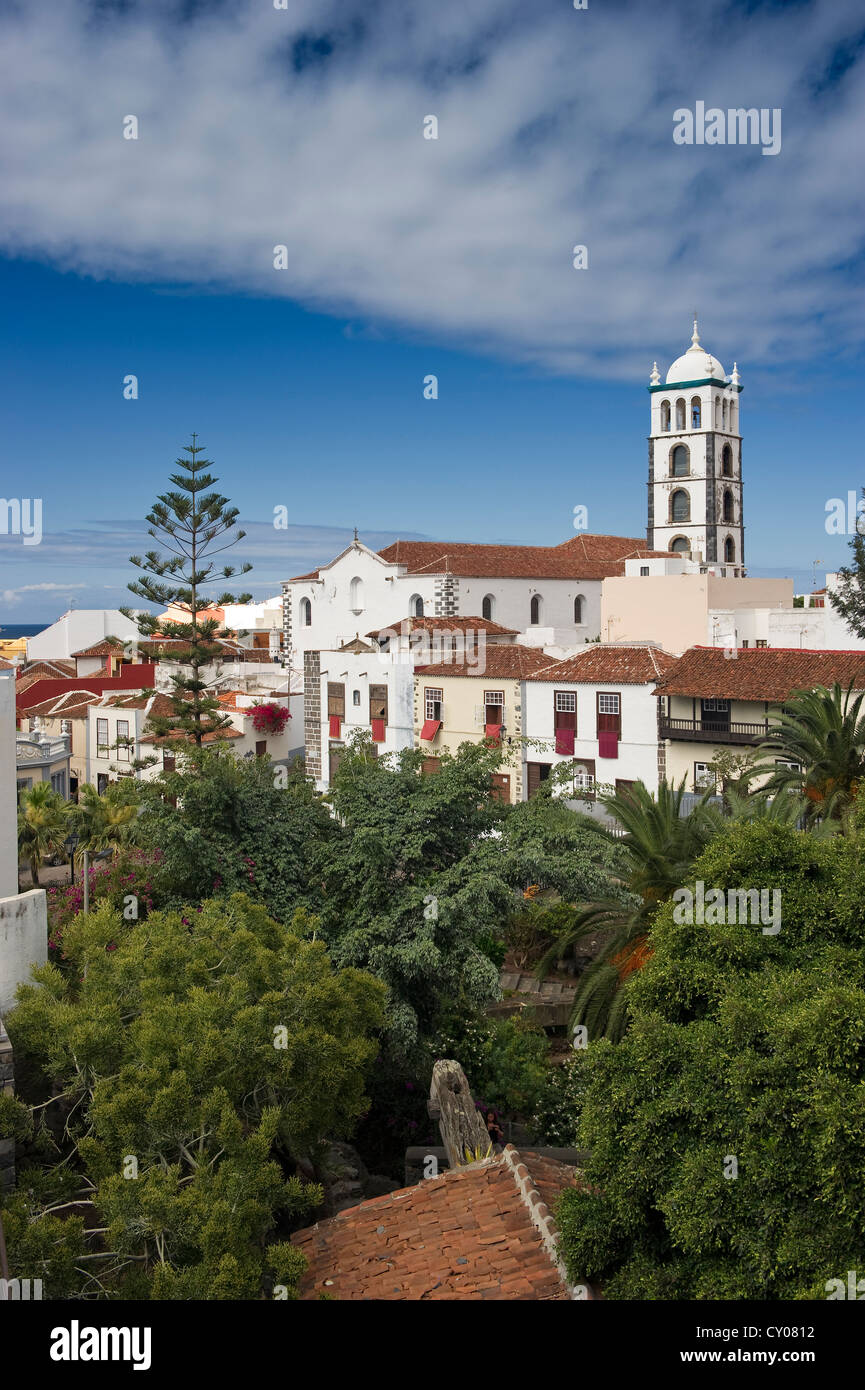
(312, 713)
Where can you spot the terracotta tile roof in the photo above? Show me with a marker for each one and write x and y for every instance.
(6, 665)
(404, 626)
(601, 662)
(178, 736)
(467, 1234)
(760, 673)
(505, 661)
(103, 648)
(41, 670)
(73, 705)
(581, 557)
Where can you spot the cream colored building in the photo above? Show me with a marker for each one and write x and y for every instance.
(713, 701)
(458, 704)
(673, 602)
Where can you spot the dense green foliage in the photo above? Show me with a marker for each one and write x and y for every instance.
(194, 1060)
(742, 1045)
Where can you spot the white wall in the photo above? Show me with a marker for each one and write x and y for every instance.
(78, 629)
(387, 595)
(23, 941)
(357, 671)
(638, 747)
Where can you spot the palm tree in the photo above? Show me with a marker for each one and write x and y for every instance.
(101, 822)
(817, 748)
(660, 844)
(42, 822)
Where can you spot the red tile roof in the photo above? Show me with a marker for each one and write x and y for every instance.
(73, 705)
(760, 673)
(502, 661)
(40, 670)
(600, 662)
(465, 1235)
(404, 626)
(581, 557)
(103, 648)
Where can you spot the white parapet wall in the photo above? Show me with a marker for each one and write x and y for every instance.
(23, 941)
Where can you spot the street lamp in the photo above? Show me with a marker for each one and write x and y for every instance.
(70, 844)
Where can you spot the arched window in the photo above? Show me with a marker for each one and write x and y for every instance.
(415, 606)
(680, 506)
(680, 546)
(695, 413)
(355, 601)
(579, 603)
(680, 414)
(724, 415)
(679, 462)
(717, 412)
(305, 613)
(535, 609)
(727, 461)
(727, 512)
(665, 415)
(487, 607)
(734, 409)
(729, 551)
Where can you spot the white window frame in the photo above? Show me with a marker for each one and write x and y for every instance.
(612, 708)
(123, 749)
(565, 708)
(432, 696)
(102, 750)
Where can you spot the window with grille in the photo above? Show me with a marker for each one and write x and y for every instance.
(123, 740)
(102, 738)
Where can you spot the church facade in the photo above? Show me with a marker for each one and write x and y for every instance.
(695, 461)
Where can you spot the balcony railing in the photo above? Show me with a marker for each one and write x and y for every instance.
(713, 730)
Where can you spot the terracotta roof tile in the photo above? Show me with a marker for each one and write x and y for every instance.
(760, 673)
(74, 704)
(581, 557)
(467, 1234)
(103, 648)
(601, 662)
(504, 661)
(404, 626)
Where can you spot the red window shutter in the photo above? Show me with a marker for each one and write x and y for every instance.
(494, 732)
(335, 723)
(608, 744)
(565, 742)
(377, 730)
(430, 729)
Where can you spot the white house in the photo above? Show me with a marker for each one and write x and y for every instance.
(117, 734)
(78, 629)
(368, 684)
(598, 708)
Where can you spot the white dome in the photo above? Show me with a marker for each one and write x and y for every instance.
(695, 364)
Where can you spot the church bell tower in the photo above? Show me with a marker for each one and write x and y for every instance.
(695, 461)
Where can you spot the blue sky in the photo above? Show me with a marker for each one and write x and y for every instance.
(408, 257)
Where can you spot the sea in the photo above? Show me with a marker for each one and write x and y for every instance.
(11, 630)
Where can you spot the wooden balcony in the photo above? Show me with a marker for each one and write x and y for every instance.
(713, 730)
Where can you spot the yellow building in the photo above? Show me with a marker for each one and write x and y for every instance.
(457, 703)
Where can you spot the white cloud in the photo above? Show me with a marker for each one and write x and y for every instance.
(12, 596)
(555, 128)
